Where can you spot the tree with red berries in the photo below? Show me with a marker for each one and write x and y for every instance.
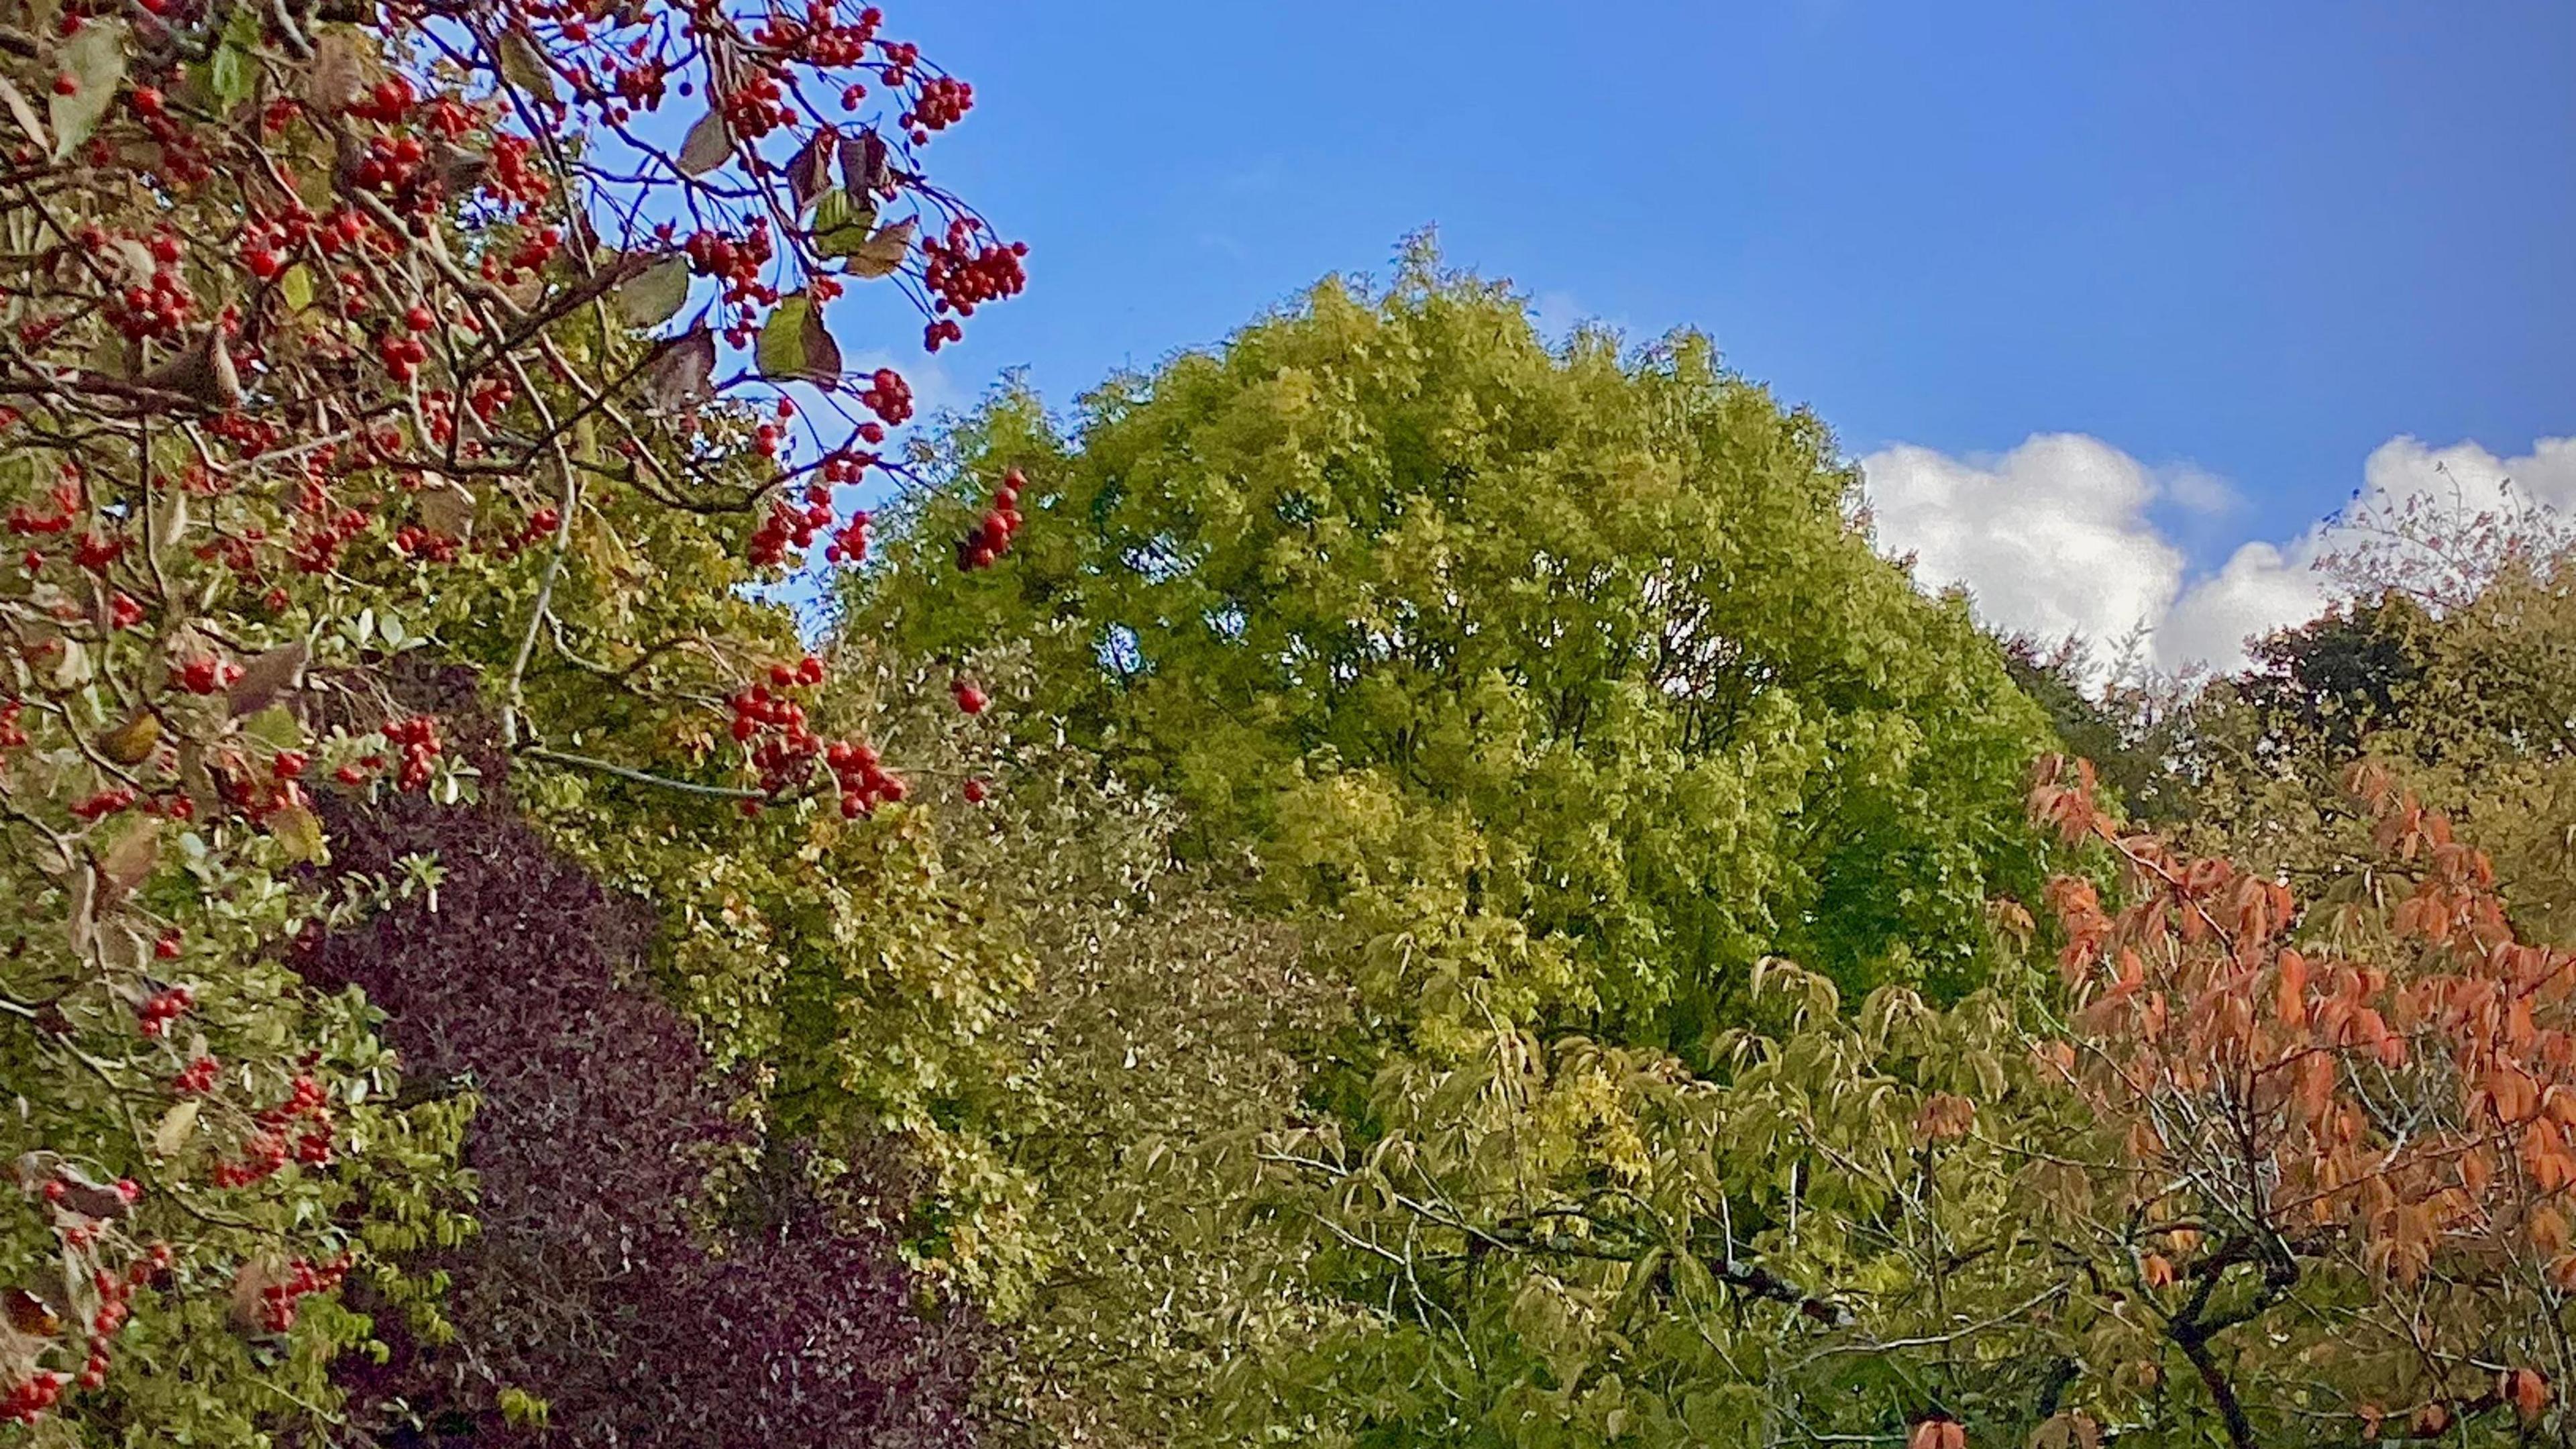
(492, 332)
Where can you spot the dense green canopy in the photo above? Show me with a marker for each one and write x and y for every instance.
(1570, 672)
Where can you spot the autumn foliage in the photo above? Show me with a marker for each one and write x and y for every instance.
(1390, 884)
(2378, 1086)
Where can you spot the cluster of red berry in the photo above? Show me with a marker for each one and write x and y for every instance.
(862, 779)
(164, 1007)
(96, 550)
(198, 1077)
(789, 527)
(991, 536)
(317, 549)
(106, 802)
(968, 697)
(418, 737)
(115, 1293)
(69, 501)
(850, 544)
(390, 101)
(773, 726)
(206, 674)
(888, 396)
(964, 271)
(28, 1401)
(267, 1150)
(942, 102)
(157, 307)
(429, 546)
(277, 1300)
(735, 261)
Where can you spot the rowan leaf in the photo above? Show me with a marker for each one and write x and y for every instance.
(841, 222)
(132, 742)
(300, 831)
(176, 1126)
(809, 171)
(822, 353)
(864, 164)
(19, 111)
(128, 863)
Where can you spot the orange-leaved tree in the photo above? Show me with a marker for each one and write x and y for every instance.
(2347, 1125)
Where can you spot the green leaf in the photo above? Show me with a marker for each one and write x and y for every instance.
(95, 60)
(783, 351)
(656, 295)
(275, 727)
(234, 70)
(175, 1128)
(841, 222)
(297, 287)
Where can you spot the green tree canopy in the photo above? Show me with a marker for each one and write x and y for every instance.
(1568, 678)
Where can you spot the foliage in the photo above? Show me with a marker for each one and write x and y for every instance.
(2292, 1172)
(2125, 718)
(2464, 697)
(1164, 1032)
(1567, 681)
(593, 1296)
(329, 342)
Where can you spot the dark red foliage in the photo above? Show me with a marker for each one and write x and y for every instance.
(592, 1284)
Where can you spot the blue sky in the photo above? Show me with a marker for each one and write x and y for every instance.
(2238, 246)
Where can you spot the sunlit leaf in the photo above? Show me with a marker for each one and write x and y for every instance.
(784, 338)
(25, 115)
(842, 221)
(176, 1126)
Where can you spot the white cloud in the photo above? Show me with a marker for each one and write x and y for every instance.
(2052, 537)
(2057, 536)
